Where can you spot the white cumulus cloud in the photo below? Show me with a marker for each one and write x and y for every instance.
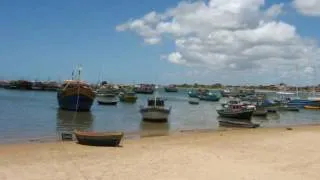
(308, 7)
(227, 36)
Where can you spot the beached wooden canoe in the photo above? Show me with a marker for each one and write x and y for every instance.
(99, 138)
(229, 123)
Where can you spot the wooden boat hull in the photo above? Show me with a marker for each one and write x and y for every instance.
(241, 124)
(238, 115)
(99, 139)
(75, 99)
(155, 114)
(312, 107)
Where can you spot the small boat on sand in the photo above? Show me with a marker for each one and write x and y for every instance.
(99, 138)
(243, 124)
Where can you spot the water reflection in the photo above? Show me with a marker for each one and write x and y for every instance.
(148, 129)
(68, 121)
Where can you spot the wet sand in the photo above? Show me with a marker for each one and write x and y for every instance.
(261, 154)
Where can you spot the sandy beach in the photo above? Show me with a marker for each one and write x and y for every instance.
(262, 154)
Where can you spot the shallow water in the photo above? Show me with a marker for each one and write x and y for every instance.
(34, 115)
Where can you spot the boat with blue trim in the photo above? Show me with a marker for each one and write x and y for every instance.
(75, 95)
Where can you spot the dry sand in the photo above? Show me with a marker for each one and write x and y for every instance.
(260, 154)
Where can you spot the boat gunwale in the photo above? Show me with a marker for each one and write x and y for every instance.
(97, 134)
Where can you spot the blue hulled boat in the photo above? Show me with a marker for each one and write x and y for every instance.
(75, 95)
(299, 102)
(210, 96)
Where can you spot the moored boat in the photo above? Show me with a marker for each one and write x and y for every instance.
(107, 94)
(171, 88)
(99, 138)
(129, 97)
(144, 89)
(155, 111)
(236, 109)
(75, 95)
(210, 96)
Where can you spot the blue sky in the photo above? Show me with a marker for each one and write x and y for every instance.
(47, 39)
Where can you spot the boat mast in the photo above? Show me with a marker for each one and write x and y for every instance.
(155, 97)
(297, 89)
(79, 68)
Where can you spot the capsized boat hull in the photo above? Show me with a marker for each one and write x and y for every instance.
(99, 139)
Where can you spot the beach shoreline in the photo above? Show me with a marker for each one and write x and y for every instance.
(262, 153)
(146, 134)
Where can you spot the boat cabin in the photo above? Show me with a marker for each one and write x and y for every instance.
(156, 102)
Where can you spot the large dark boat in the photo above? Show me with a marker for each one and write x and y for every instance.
(75, 95)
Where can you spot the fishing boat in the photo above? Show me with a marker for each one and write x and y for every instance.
(144, 89)
(155, 111)
(20, 84)
(210, 96)
(129, 97)
(75, 95)
(243, 124)
(171, 88)
(236, 109)
(107, 94)
(99, 138)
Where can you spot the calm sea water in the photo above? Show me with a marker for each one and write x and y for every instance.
(34, 115)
